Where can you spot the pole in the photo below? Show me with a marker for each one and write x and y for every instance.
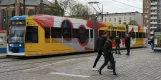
(41, 6)
(102, 13)
(95, 32)
(24, 7)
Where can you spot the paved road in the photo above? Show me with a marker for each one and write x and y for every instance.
(142, 64)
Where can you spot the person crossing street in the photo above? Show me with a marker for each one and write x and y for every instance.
(101, 43)
(108, 56)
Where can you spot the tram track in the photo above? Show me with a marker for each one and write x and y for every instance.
(27, 64)
(14, 65)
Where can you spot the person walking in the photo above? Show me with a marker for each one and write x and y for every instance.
(127, 44)
(101, 42)
(117, 41)
(152, 43)
(108, 56)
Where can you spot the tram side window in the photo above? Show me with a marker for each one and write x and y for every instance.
(143, 35)
(66, 29)
(133, 35)
(31, 34)
(75, 33)
(91, 33)
(140, 35)
(56, 32)
(113, 34)
(119, 34)
(83, 35)
(123, 34)
(137, 35)
(87, 33)
(47, 32)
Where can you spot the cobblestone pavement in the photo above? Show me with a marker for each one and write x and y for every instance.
(142, 64)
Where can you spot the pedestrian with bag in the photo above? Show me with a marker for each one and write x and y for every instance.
(108, 56)
(101, 42)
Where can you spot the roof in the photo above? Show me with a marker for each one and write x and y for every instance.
(122, 13)
(19, 18)
(27, 2)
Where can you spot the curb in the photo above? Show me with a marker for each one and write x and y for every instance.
(3, 56)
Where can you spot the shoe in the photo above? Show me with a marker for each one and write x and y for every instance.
(94, 69)
(114, 74)
(119, 53)
(127, 54)
(99, 72)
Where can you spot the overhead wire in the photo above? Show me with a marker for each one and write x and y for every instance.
(133, 2)
(127, 4)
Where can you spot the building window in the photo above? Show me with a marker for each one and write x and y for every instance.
(31, 12)
(110, 19)
(105, 19)
(130, 18)
(13, 13)
(124, 18)
(4, 19)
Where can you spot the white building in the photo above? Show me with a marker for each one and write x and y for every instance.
(155, 19)
(120, 18)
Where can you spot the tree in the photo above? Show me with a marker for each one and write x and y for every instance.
(80, 11)
(133, 22)
(55, 9)
(67, 5)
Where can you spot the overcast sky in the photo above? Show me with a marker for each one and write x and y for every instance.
(113, 6)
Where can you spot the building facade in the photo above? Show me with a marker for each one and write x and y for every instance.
(7, 9)
(146, 13)
(120, 18)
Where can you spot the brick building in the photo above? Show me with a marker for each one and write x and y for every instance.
(7, 9)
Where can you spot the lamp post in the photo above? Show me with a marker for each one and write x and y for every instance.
(101, 11)
(96, 23)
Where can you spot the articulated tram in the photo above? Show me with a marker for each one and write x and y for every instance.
(46, 35)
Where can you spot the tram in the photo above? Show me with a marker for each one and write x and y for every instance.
(39, 35)
(137, 34)
(46, 35)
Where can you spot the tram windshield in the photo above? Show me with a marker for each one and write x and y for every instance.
(16, 34)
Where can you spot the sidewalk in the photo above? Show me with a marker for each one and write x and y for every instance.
(2, 55)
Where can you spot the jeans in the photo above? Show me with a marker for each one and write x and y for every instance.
(152, 46)
(118, 48)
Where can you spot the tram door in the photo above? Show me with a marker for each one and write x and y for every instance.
(3, 42)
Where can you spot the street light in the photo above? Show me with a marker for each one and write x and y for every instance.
(96, 2)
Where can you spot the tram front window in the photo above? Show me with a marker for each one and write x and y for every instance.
(16, 34)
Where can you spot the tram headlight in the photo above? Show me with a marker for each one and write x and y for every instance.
(11, 45)
(20, 45)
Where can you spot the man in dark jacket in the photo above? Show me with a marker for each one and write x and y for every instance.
(101, 43)
(117, 41)
(127, 44)
(108, 56)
